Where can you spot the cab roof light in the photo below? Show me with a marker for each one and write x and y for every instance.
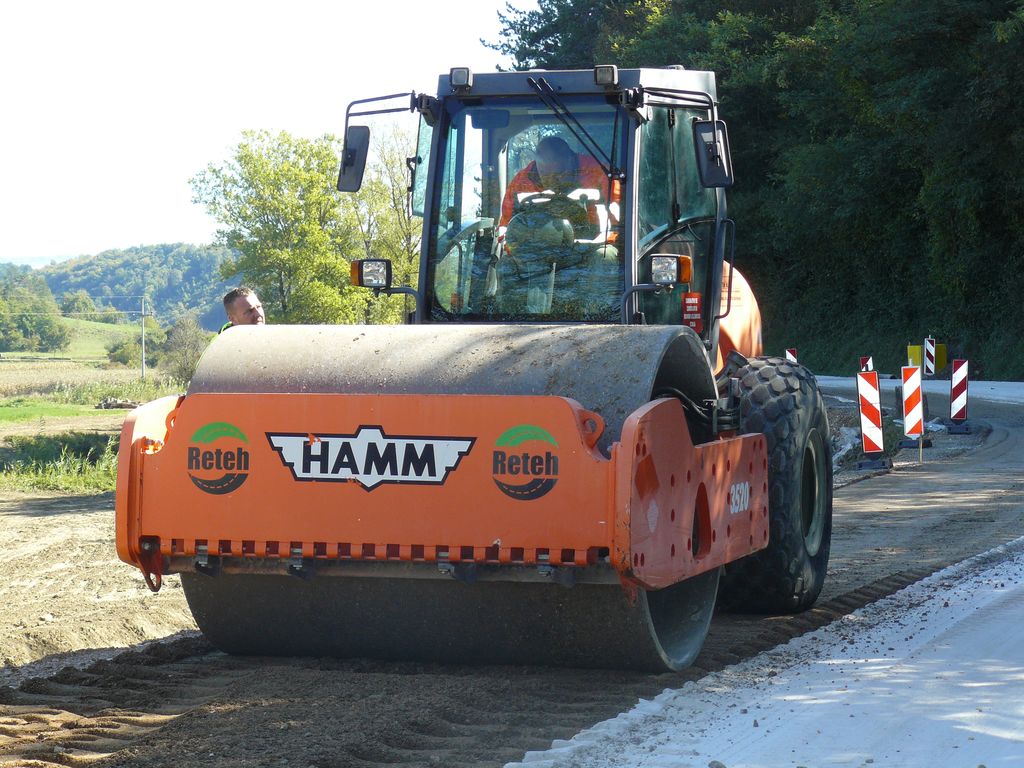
(460, 78)
(606, 75)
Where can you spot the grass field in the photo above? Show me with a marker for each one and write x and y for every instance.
(24, 375)
(21, 409)
(89, 339)
(48, 420)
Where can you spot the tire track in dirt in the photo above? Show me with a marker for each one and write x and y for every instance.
(449, 715)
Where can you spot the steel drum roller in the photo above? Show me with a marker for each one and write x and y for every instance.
(608, 369)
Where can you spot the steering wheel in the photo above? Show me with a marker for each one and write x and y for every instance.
(557, 205)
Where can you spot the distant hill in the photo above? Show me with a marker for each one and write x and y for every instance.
(176, 278)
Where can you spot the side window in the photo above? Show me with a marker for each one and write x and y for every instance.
(655, 187)
(419, 184)
(694, 200)
(461, 187)
(459, 227)
(667, 165)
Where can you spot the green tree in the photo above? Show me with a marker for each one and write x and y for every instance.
(78, 303)
(29, 317)
(176, 278)
(186, 343)
(274, 199)
(128, 350)
(566, 34)
(879, 191)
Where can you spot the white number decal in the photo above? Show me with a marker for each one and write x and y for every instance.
(739, 498)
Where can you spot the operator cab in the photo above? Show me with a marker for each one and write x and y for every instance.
(567, 197)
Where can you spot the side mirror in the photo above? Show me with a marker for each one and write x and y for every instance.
(353, 158)
(714, 162)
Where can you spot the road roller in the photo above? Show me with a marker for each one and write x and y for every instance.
(569, 453)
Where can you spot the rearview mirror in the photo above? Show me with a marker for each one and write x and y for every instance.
(353, 158)
(714, 162)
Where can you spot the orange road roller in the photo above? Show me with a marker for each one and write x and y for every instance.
(568, 455)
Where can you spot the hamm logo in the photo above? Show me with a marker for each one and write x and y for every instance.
(370, 457)
(523, 474)
(222, 468)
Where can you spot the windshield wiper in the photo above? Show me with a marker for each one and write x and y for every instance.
(553, 102)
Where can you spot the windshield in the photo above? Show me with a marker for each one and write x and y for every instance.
(527, 224)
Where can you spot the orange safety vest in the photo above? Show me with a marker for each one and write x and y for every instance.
(590, 176)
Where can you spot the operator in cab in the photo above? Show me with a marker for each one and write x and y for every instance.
(558, 229)
(558, 169)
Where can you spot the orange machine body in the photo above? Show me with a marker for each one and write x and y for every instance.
(259, 479)
(740, 329)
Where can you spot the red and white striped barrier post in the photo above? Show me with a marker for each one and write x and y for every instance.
(791, 354)
(867, 364)
(929, 356)
(958, 399)
(872, 439)
(913, 406)
(913, 411)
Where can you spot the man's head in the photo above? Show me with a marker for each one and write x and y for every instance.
(556, 163)
(243, 307)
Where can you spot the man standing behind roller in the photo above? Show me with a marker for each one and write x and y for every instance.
(243, 307)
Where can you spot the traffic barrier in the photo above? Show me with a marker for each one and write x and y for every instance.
(791, 354)
(958, 399)
(872, 439)
(913, 409)
(867, 364)
(916, 356)
(929, 356)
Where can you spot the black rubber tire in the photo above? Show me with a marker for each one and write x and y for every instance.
(781, 400)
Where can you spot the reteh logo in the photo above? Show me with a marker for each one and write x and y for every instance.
(220, 463)
(521, 469)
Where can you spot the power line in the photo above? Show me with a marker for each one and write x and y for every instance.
(70, 314)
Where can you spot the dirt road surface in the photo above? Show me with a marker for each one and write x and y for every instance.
(181, 703)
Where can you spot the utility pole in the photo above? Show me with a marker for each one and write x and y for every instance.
(143, 338)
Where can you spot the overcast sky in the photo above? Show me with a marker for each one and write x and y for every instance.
(110, 106)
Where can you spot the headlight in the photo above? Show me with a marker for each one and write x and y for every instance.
(371, 273)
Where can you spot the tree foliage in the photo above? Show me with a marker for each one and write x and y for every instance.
(274, 201)
(295, 237)
(29, 318)
(186, 343)
(877, 147)
(128, 350)
(384, 226)
(176, 279)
